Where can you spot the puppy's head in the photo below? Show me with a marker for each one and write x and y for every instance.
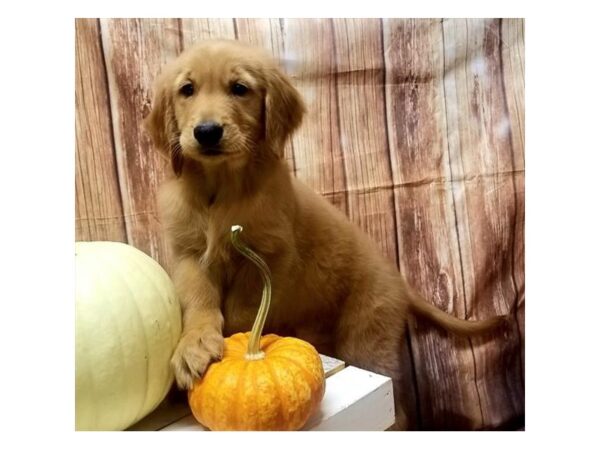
(222, 101)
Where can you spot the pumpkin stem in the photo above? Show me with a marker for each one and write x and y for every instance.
(254, 351)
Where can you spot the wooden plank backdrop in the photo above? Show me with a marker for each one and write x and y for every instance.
(415, 130)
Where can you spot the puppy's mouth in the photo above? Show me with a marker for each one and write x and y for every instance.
(211, 151)
(217, 152)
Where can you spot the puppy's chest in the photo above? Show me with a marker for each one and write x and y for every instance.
(206, 236)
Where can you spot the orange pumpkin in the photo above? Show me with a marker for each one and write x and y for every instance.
(268, 383)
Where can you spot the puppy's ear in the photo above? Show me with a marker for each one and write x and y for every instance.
(284, 110)
(161, 125)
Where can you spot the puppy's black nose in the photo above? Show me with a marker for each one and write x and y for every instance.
(208, 133)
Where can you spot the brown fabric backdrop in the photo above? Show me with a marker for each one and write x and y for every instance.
(415, 130)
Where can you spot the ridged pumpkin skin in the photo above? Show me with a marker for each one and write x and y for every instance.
(277, 393)
(127, 323)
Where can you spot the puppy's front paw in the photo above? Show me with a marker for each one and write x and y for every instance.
(195, 351)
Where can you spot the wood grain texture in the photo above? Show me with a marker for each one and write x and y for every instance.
(310, 52)
(193, 30)
(98, 207)
(428, 248)
(485, 199)
(364, 141)
(415, 130)
(513, 64)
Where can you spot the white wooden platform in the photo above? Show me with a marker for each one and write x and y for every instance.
(355, 400)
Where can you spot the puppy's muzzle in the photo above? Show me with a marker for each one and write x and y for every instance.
(208, 135)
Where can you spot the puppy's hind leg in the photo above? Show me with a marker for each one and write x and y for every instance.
(370, 336)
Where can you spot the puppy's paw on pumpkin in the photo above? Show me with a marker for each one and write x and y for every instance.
(194, 353)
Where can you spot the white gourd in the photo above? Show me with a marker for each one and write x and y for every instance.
(128, 322)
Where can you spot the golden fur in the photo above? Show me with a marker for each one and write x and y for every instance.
(331, 286)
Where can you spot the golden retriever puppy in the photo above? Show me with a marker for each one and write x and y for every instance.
(222, 113)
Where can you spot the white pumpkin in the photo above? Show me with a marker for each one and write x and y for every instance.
(128, 322)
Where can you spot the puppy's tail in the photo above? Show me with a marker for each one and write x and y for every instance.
(420, 307)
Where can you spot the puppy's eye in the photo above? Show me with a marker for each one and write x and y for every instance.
(187, 90)
(239, 89)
